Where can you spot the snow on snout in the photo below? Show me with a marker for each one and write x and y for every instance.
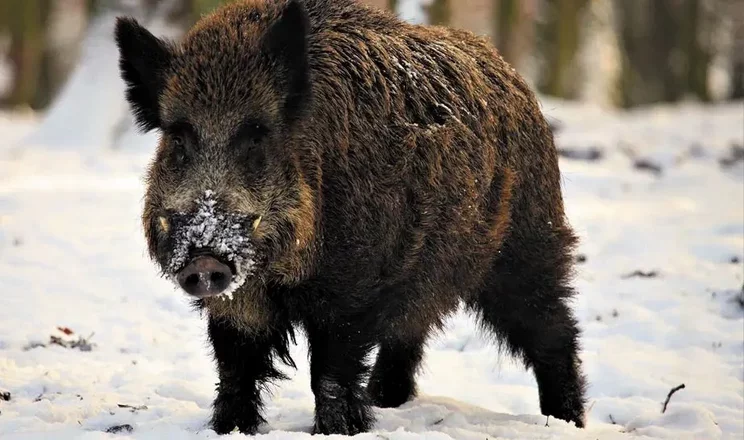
(222, 233)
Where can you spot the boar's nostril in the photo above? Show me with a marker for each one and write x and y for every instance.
(217, 277)
(204, 276)
(192, 280)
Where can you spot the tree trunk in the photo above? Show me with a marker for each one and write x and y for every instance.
(439, 12)
(27, 38)
(737, 51)
(472, 15)
(505, 17)
(560, 43)
(67, 24)
(697, 47)
(650, 71)
(600, 58)
(514, 29)
(668, 47)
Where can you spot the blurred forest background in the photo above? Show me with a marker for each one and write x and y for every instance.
(616, 53)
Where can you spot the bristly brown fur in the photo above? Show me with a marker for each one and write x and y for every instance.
(398, 170)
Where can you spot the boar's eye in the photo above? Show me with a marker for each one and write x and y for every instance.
(248, 143)
(252, 134)
(180, 136)
(177, 141)
(179, 148)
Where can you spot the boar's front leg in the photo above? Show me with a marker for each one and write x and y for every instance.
(244, 364)
(337, 366)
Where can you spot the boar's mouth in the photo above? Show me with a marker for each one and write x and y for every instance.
(209, 231)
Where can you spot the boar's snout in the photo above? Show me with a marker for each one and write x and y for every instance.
(204, 276)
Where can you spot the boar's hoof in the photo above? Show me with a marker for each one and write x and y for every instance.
(343, 415)
(233, 413)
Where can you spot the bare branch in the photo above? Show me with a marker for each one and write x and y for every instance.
(669, 396)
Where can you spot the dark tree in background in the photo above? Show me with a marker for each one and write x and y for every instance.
(26, 22)
(559, 35)
(735, 10)
(439, 12)
(514, 28)
(666, 47)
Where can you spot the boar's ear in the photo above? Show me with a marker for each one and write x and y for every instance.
(286, 42)
(143, 60)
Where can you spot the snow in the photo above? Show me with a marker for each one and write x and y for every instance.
(72, 254)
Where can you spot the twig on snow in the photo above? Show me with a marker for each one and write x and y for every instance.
(120, 428)
(588, 410)
(83, 344)
(669, 396)
(641, 274)
(648, 165)
(132, 408)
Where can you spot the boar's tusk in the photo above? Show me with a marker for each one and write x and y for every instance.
(257, 222)
(164, 224)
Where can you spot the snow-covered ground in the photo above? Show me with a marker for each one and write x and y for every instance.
(72, 255)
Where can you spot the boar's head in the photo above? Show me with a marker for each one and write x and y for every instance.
(229, 197)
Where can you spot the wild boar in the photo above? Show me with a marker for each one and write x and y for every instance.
(324, 165)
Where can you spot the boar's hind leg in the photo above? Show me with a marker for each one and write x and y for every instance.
(393, 380)
(244, 364)
(337, 366)
(525, 305)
